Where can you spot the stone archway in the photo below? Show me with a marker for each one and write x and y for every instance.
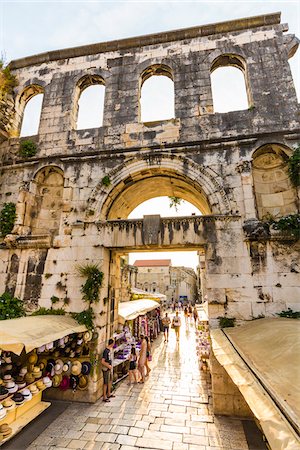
(148, 176)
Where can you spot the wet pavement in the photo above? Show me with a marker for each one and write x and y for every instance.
(171, 411)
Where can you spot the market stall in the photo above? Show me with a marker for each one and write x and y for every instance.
(38, 353)
(136, 317)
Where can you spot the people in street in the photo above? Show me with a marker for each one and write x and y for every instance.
(142, 358)
(190, 309)
(133, 374)
(148, 356)
(195, 314)
(106, 362)
(176, 323)
(186, 314)
(166, 326)
(173, 306)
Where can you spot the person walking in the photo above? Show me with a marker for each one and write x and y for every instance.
(133, 376)
(148, 356)
(186, 314)
(176, 323)
(142, 358)
(166, 326)
(107, 368)
(195, 314)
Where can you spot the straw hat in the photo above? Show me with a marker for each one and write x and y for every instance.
(41, 349)
(33, 358)
(26, 394)
(56, 354)
(67, 368)
(49, 346)
(87, 336)
(42, 363)
(76, 368)
(23, 371)
(33, 389)
(74, 380)
(7, 359)
(7, 378)
(47, 382)
(83, 382)
(56, 380)
(5, 430)
(9, 404)
(29, 378)
(3, 392)
(12, 388)
(40, 385)
(58, 368)
(37, 373)
(86, 368)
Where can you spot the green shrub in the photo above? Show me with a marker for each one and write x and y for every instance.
(7, 218)
(174, 202)
(290, 314)
(106, 181)
(90, 289)
(10, 307)
(226, 322)
(7, 80)
(85, 318)
(289, 224)
(294, 166)
(27, 149)
(49, 311)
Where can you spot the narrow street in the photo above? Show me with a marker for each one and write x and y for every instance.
(172, 410)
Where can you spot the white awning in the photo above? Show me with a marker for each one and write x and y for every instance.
(34, 331)
(149, 294)
(135, 308)
(263, 359)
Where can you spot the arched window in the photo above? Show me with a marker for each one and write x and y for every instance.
(157, 94)
(46, 211)
(89, 103)
(29, 110)
(229, 84)
(274, 192)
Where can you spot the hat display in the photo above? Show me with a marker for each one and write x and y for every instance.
(23, 371)
(49, 346)
(3, 392)
(58, 368)
(66, 339)
(67, 367)
(33, 358)
(41, 349)
(29, 378)
(47, 382)
(12, 387)
(65, 383)
(72, 354)
(33, 389)
(8, 367)
(76, 368)
(42, 363)
(9, 404)
(18, 398)
(5, 430)
(7, 378)
(26, 394)
(3, 411)
(40, 385)
(86, 368)
(83, 382)
(56, 354)
(7, 359)
(56, 380)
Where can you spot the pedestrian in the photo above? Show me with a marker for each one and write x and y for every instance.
(195, 314)
(190, 310)
(186, 314)
(176, 323)
(142, 358)
(107, 368)
(174, 306)
(133, 375)
(166, 325)
(148, 356)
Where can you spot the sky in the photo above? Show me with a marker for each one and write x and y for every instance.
(31, 27)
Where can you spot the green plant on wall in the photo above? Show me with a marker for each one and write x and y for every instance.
(106, 180)
(174, 202)
(294, 166)
(49, 311)
(10, 307)
(94, 280)
(226, 322)
(85, 317)
(7, 218)
(290, 314)
(7, 80)
(289, 224)
(27, 149)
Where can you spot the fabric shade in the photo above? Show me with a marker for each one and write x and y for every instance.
(263, 359)
(131, 310)
(156, 295)
(34, 331)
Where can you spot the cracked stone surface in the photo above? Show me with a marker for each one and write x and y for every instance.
(172, 410)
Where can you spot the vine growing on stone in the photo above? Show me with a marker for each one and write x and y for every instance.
(94, 280)
(7, 218)
(174, 202)
(294, 166)
(10, 307)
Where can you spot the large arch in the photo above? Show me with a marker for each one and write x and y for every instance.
(148, 176)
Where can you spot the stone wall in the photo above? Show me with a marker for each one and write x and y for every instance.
(225, 164)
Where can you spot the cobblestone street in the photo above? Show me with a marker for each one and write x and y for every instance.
(172, 410)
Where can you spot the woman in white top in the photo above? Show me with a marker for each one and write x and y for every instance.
(176, 324)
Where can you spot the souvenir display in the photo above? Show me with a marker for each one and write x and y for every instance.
(203, 344)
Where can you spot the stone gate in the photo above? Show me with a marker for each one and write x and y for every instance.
(74, 195)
